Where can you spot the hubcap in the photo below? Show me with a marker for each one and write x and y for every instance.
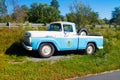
(90, 50)
(46, 50)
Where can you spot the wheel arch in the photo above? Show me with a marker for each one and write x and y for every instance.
(49, 43)
(92, 43)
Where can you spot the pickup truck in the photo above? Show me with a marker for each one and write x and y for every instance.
(61, 36)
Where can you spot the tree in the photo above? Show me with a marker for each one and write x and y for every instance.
(24, 8)
(115, 16)
(6, 18)
(106, 21)
(93, 18)
(35, 13)
(16, 10)
(25, 11)
(101, 22)
(20, 14)
(42, 13)
(3, 8)
(82, 14)
(55, 4)
(70, 17)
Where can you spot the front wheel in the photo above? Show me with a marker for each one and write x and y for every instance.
(90, 49)
(46, 50)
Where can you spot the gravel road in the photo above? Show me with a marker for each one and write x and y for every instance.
(51, 59)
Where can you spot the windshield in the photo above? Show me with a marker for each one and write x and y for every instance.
(55, 27)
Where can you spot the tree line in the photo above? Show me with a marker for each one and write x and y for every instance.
(80, 13)
(37, 12)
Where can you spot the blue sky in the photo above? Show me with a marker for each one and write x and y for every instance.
(103, 7)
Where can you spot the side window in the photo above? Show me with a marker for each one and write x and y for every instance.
(57, 28)
(68, 28)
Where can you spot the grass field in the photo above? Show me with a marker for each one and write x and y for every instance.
(11, 51)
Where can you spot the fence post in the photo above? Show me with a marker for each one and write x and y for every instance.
(8, 24)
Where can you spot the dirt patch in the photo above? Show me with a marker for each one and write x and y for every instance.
(51, 59)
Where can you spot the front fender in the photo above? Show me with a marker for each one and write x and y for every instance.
(36, 42)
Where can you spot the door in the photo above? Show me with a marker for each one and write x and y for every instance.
(70, 39)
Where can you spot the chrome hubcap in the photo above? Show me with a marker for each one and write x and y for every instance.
(90, 50)
(46, 50)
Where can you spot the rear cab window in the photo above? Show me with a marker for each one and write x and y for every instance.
(55, 27)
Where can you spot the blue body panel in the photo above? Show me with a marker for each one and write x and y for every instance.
(67, 43)
(60, 43)
(83, 41)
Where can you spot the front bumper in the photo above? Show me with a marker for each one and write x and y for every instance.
(29, 48)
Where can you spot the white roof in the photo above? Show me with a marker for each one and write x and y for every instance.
(63, 22)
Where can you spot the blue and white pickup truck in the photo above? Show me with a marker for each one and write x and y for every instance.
(61, 36)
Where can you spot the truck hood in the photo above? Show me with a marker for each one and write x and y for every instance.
(43, 34)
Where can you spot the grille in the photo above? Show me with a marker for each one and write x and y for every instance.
(27, 39)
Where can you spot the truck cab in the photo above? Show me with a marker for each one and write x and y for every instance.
(61, 36)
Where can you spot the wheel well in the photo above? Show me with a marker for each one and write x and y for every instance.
(50, 43)
(93, 43)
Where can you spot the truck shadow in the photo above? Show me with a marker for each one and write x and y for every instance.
(71, 52)
(18, 50)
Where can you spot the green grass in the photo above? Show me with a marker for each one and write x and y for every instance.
(78, 65)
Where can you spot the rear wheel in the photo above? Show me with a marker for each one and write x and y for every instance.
(90, 49)
(46, 50)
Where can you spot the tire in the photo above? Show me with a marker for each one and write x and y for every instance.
(46, 50)
(83, 32)
(90, 49)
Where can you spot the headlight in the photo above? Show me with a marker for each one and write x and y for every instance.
(27, 34)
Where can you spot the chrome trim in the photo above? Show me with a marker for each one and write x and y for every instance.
(29, 48)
